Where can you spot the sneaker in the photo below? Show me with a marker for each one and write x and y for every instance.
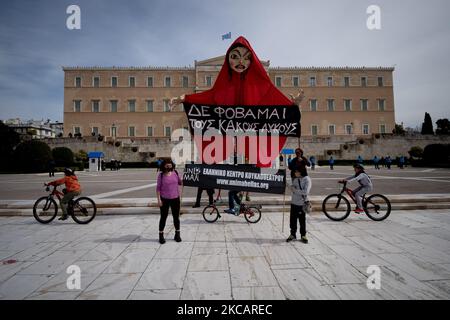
(290, 238)
(230, 211)
(161, 238)
(196, 206)
(63, 217)
(359, 210)
(247, 198)
(304, 239)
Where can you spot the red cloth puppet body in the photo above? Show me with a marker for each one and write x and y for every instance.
(250, 87)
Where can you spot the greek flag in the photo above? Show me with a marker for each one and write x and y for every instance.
(226, 36)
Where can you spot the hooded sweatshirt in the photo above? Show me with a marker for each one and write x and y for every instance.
(252, 87)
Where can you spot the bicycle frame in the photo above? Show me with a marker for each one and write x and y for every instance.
(349, 192)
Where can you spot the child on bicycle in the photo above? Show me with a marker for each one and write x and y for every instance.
(301, 186)
(73, 189)
(365, 185)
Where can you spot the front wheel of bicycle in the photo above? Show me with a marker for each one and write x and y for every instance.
(377, 207)
(252, 214)
(84, 210)
(210, 214)
(336, 207)
(45, 210)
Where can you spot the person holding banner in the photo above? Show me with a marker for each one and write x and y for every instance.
(301, 186)
(168, 195)
(298, 163)
(233, 196)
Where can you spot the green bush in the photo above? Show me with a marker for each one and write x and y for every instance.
(32, 156)
(63, 156)
(416, 152)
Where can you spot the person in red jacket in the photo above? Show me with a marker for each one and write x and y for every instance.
(242, 81)
(73, 189)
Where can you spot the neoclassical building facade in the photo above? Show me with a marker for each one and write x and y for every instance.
(133, 102)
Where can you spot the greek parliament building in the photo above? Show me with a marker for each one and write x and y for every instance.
(133, 102)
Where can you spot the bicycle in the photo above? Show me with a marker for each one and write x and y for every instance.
(82, 210)
(337, 207)
(252, 214)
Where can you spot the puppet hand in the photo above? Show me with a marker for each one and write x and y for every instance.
(176, 101)
(297, 99)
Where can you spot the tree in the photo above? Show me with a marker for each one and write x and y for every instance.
(32, 156)
(398, 129)
(9, 140)
(443, 126)
(427, 125)
(63, 156)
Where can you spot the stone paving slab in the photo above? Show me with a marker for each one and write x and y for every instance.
(120, 258)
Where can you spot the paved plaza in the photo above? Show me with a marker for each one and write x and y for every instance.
(120, 258)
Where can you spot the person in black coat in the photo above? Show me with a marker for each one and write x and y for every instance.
(298, 163)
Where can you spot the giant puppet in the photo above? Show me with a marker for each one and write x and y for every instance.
(242, 81)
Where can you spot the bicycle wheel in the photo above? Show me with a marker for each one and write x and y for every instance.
(336, 207)
(252, 214)
(45, 209)
(377, 207)
(210, 214)
(83, 210)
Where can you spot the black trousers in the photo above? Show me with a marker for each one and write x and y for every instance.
(297, 213)
(174, 205)
(210, 193)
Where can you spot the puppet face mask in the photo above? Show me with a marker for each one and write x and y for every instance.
(239, 59)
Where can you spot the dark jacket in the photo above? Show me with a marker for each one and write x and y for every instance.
(298, 164)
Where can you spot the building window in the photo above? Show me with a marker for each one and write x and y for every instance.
(330, 81)
(96, 82)
(365, 129)
(132, 82)
(131, 105)
(166, 105)
(113, 105)
(95, 105)
(167, 82)
(380, 81)
(313, 104)
(95, 130)
(278, 81)
(348, 129)
(186, 81)
(149, 105)
(331, 129)
(131, 131)
(78, 82)
(208, 81)
(346, 81)
(330, 104)
(167, 131)
(77, 105)
(364, 104)
(76, 130)
(312, 81)
(295, 81)
(114, 82)
(113, 131)
(381, 103)
(149, 131)
(363, 82)
(348, 104)
(382, 128)
(314, 129)
(149, 81)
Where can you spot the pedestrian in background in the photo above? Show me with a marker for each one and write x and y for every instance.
(312, 160)
(51, 168)
(375, 162)
(331, 162)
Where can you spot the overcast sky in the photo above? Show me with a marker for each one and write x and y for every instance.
(35, 43)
